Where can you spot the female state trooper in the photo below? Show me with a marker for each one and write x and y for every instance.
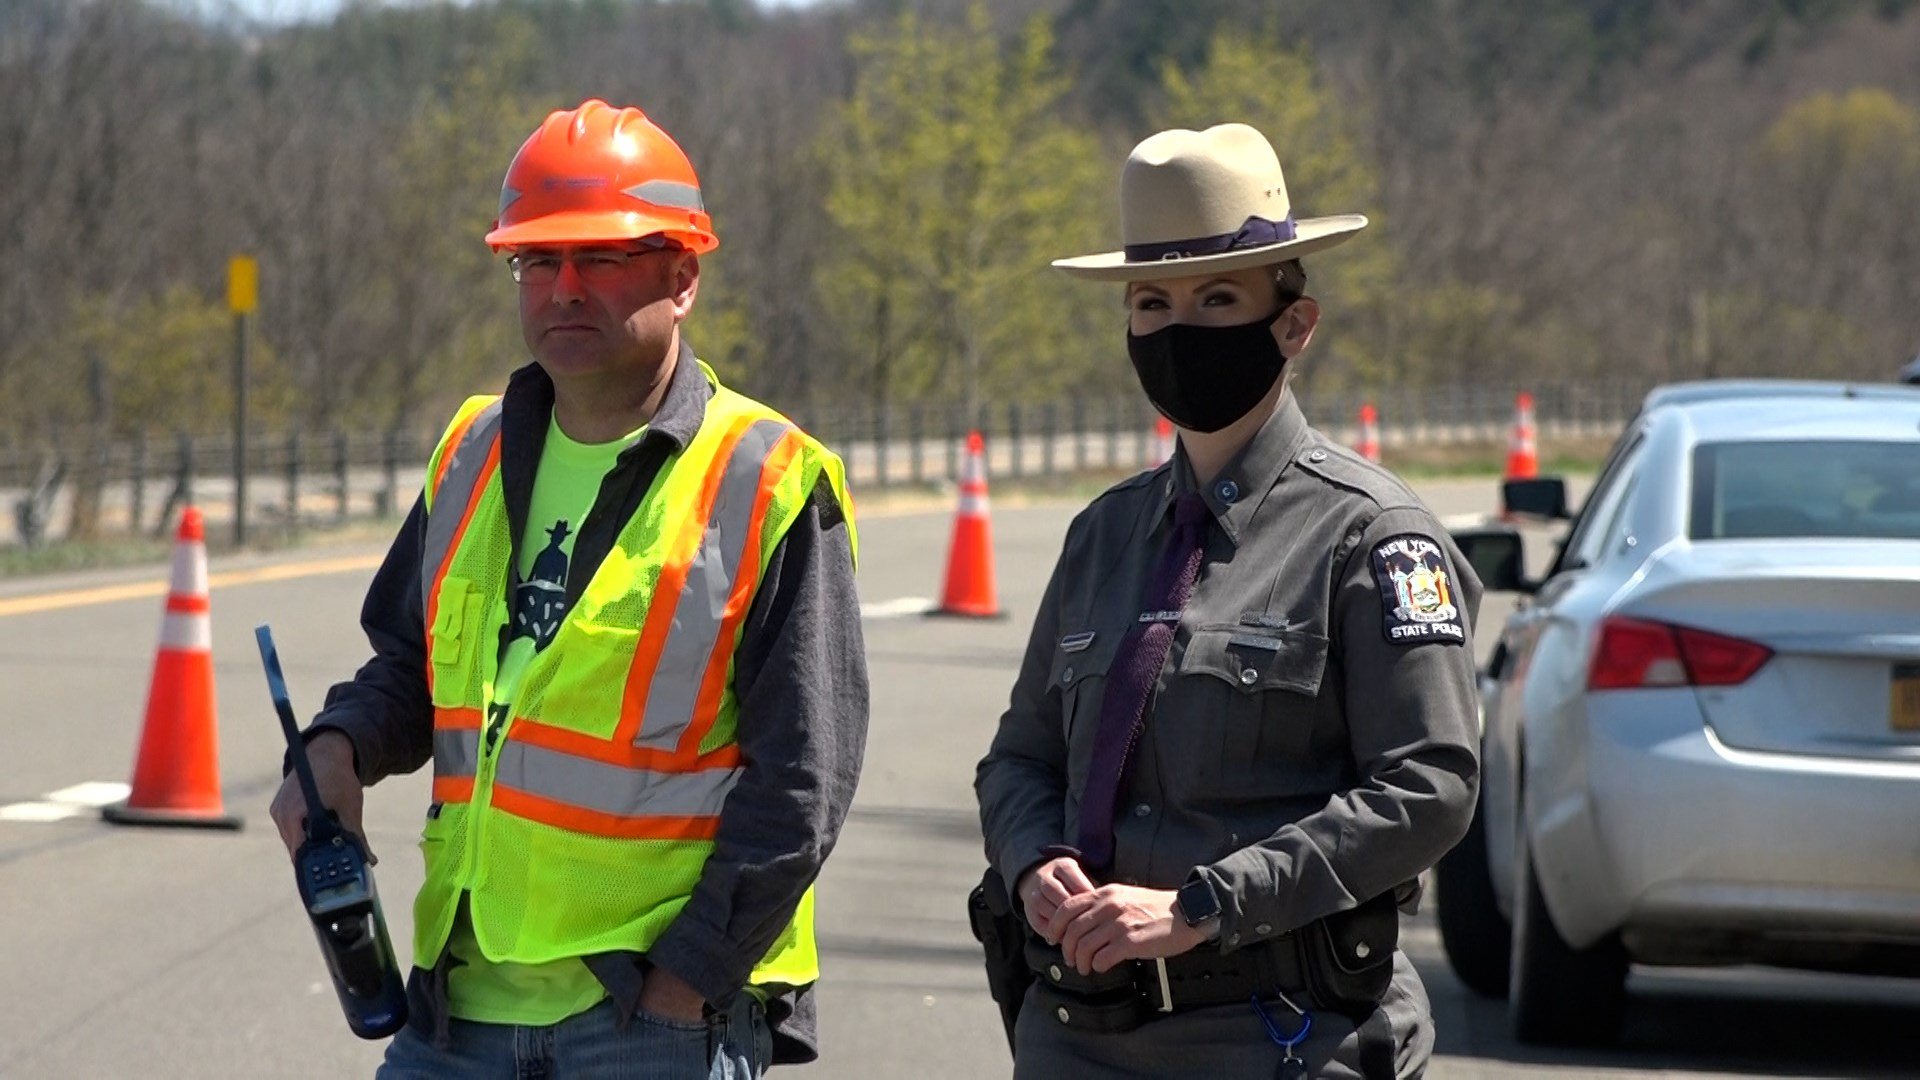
(1245, 722)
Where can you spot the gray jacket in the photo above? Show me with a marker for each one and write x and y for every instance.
(1313, 738)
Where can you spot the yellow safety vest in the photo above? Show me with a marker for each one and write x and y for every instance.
(584, 826)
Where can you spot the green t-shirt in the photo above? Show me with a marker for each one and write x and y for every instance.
(564, 488)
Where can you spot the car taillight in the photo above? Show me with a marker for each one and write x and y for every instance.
(1635, 653)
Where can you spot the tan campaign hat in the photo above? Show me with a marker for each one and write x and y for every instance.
(1193, 202)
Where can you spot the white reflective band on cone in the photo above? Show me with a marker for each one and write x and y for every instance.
(973, 504)
(186, 632)
(189, 576)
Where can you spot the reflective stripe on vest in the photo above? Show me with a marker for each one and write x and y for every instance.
(471, 456)
(594, 786)
(652, 768)
(712, 595)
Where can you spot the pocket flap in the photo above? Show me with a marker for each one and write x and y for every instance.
(1081, 653)
(1362, 938)
(457, 596)
(1256, 659)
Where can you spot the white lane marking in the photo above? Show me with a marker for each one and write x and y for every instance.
(68, 802)
(93, 793)
(39, 812)
(896, 609)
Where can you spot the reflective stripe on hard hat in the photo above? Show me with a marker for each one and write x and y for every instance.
(668, 193)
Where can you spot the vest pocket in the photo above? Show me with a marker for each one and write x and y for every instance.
(454, 634)
(579, 681)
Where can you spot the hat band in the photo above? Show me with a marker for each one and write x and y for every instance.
(1257, 232)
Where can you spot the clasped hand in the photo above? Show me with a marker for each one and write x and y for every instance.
(1098, 926)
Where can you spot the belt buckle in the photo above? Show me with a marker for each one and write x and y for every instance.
(1166, 991)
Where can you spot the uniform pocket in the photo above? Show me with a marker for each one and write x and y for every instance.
(1080, 669)
(1259, 687)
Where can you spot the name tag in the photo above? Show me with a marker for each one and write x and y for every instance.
(1255, 641)
(1159, 616)
(1076, 642)
(1262, 619)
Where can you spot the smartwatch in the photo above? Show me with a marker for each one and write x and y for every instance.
(1199, 904)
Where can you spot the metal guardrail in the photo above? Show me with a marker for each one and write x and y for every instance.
(302, 479)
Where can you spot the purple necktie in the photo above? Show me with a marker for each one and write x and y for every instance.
(1135, 671)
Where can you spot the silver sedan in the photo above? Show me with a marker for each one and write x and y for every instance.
(1702, 733)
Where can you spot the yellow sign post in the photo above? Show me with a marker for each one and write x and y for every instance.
(243, 284)
(243, 296)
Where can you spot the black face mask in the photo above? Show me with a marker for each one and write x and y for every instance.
(1203, 378)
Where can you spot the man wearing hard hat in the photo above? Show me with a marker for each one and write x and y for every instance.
(620, 622)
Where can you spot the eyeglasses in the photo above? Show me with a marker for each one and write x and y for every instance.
(597, 266)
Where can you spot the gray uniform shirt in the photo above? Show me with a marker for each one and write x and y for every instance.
(1313, 738)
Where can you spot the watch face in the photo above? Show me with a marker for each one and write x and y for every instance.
(1198, 903)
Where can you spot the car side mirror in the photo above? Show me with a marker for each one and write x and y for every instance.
(1496, 555)
(1541, 497)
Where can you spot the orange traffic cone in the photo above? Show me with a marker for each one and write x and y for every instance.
(969, 589)
(1162, 441)
(1369, 432)
(1523, 451)
(176, 778)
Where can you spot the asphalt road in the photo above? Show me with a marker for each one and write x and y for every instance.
(183, 954)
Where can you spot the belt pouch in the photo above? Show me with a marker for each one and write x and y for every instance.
(1107, 1013)
(1347, 957)
(1050, 968)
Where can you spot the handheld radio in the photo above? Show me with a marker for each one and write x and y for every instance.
(336, 886)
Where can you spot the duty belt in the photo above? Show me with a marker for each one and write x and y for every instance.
(1139, 990)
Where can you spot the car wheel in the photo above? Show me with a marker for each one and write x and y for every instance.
(1558, 994)
(1475, 935)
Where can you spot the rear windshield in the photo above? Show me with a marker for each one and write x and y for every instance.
(1760, 490)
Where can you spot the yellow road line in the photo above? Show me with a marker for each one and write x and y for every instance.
(107, 594)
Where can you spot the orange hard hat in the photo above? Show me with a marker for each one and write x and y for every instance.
(600, 173)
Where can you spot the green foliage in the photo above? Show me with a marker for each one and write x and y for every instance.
(448, 300)
(157, 364)
(953, 181)
(1831, 146)
(1248, 79)
(721, 327)
(1751, 332)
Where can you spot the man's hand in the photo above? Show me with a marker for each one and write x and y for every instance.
(1096, 930)
(667, 995)
(1045, 887)
(331, 754)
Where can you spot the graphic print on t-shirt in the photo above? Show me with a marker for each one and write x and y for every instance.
(540, 602)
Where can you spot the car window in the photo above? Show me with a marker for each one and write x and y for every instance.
(1799, 488)
(1600, 518)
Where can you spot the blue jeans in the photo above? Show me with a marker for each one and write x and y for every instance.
(735, 1045)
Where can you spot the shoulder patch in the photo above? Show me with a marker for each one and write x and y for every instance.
(1416, 592)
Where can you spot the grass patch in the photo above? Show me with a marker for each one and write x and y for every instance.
(1563, 457)
(1567, 457)
(116, 552)
(65, 557)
